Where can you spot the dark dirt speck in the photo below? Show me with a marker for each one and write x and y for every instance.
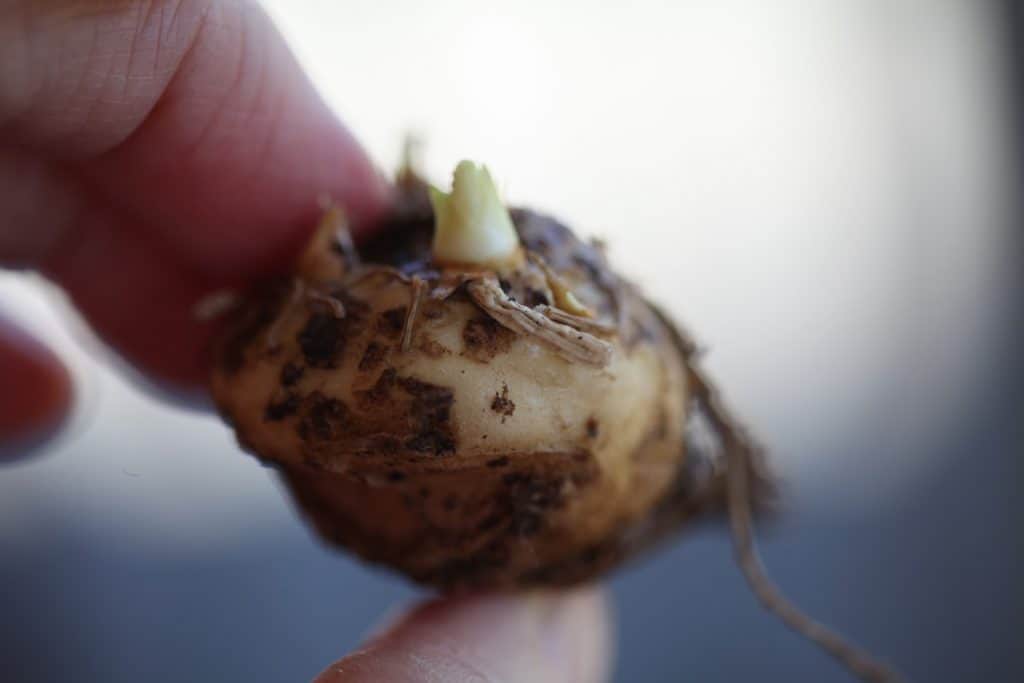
(379, 392)
(249, 322)
(483, 338)
(535, 297)
(426, 407)
(291, 373)
(391, 321)
(322, 340)
(324, 419)
(430, 412)
(502, 404)
(279, 410)
(372, 356)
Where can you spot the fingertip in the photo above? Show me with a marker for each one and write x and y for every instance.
(35, 396)
(535, 637)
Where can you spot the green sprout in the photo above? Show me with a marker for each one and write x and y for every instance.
(472, 225)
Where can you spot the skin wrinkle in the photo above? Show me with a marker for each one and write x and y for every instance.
(74, 71)
(152, 18)
(206, 44)
(273, 111)
(71, 10)
(143, 15)
(63, 75)
(254, 77)
(444, 669)
(50, 186)
(198, 43)
(192, 37)
(237, 112)
(158, 81)
(446, 649)
(105, 73)
(154, 67)
(228, 95)
(94, 79)
(110, 209)
(260, 109)
(219, 148)
(165, 36)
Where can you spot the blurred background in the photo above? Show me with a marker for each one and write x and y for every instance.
(825, 193)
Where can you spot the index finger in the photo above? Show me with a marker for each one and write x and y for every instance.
(173, 147)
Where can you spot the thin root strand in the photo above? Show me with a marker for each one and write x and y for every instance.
(335, 305)
(273, 332)
(414, 308)
(744, 457)
(572, 344)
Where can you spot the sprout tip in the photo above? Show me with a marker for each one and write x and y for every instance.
(472, 225)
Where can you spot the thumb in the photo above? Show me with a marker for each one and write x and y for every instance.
(533, 637)
(35, 392)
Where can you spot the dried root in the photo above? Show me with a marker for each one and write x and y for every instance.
(413, 311)
(334, 304)
(744, 462)
(577, 322)
(572, 344)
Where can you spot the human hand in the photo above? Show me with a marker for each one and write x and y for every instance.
(153, 152)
